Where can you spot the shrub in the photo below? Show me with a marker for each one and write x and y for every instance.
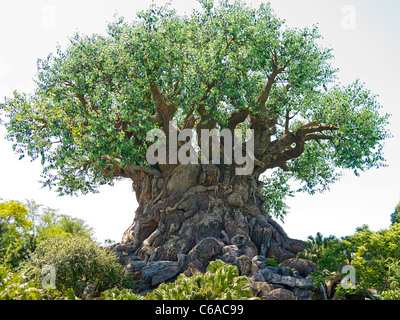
(374, 255)
(79, 261)
(221, 281)
(390, 295)
(120, 294)
(21, 285)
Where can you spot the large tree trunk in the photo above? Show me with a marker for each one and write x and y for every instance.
(199, 201)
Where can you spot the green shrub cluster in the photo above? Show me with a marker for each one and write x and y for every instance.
(375, 257)
(221, 281)
(78, 262)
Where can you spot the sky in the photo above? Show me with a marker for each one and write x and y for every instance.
(362, 33)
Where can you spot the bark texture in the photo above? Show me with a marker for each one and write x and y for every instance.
(196, 202)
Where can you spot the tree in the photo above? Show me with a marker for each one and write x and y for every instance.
(374, 256)
(395, 216)
(14, 223)
(33, 211)
(228, 66)
(15, 238)
(51, 224)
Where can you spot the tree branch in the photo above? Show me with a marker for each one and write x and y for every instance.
(282, 150)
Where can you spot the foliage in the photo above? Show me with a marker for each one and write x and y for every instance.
(374, 255)
(395, 216)
(276, 189)
(120, 294)
(271, 263)
(22, 284)
(14, 231)
(50, 224)
(325, 251)
(19, 251)
(390, 295)
(228, 65)
(221, 281)
(78, 262)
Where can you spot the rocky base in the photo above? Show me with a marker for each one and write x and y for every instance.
(289, 281)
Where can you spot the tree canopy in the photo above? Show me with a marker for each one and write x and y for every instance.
(226, 66)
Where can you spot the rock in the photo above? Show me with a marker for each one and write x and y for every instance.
(135, 265)
(302, 294)
(259, 261)
(267, 274)
(231, 249)
(275, 269)
(160, 271)
(287, 272)
(88, 292)
(279, 254)
(260, 288)
(135, 258)
(279, 294)
(206, 250)
(246, 266)
(283, 280)
(258, 277)
(304, 283)
(229, 258)
(239, 240)
(305, 267)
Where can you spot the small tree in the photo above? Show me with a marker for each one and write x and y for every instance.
(51, 223)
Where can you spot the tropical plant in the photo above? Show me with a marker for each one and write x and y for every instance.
(120, 294)
(221, 281)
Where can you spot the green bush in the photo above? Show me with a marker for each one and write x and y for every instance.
(390, 295)
(221, 281)
(22, 285)
(120, 294)
(79, 261)
(375, 257)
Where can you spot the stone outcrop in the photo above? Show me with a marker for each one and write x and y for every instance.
(289, 281)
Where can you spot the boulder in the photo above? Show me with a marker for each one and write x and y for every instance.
(267, 274)
(303, 266)
(160, 271)
(302, 294)
(304, 283)
(206, 250)
(279, 254)
(259, 261)
(260, 288)
(279, 294)
(136, 265)
(246, 266)
(232, 250)
(258, 277)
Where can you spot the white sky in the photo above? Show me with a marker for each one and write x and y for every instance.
(363, 33)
